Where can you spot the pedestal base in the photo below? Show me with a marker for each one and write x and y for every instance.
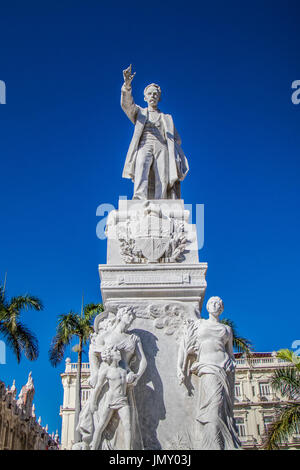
(153, 267)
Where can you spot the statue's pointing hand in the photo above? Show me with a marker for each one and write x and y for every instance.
(128, 75)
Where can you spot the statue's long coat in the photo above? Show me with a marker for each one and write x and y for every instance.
(178, 165)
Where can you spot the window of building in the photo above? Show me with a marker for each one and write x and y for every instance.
(85, 395)
(267, 421)
(240, 424)
(253, 390)
(237, 390)
(264, 389)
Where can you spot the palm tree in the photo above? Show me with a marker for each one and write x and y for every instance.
(241, 344)
(70, 325)
(20, 338)
(287, 420)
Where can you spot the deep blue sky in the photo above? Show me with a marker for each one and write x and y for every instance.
(225, 69)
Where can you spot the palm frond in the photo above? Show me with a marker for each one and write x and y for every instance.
(289, 356)
(4, 314)
(68, 325)
(285, 424)
(57, 350)
(25, 302)
(91, 310)
(239, 343)
(20, 339)
(17, 335)
(287, 381)
(10, 340)
(28, 342)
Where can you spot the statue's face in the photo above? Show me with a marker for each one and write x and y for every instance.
(116, 355)
(152, 96)
(215, 306)
(127, 318)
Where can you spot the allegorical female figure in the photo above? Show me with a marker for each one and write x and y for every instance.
(211, 342)
(155, 160)
(108, 434)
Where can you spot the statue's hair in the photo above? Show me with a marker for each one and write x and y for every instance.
(156, 86)
(121, 311)
(216, 299)
(106, 354)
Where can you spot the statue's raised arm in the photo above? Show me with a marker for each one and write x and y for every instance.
(128, 76)
(127, 103)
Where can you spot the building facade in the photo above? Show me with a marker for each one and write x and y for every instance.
(19, 429)
(255, 402)
(254, 409)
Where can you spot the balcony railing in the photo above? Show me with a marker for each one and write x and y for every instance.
(241, 363)
(261, 362)
(72, 367)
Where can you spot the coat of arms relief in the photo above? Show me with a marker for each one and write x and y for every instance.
(149, 236)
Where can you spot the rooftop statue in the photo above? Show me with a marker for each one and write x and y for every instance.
(26, 395)
(155, 160)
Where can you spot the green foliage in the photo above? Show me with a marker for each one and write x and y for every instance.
(287, 381)
(290, 356)
(70, 325)
(287, 420)
(17, 336)
(285, 424)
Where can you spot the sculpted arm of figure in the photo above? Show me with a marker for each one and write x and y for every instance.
(229, 350)
(181, 362)
(94, 365)
(230, 369)
(143, 361)
(127, 103)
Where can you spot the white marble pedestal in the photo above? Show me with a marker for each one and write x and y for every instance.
(152, 265)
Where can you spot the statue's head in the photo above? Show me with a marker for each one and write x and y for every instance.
(152, 94)
(111, 353)
(215, 306)
(125, 315)
(104, 320)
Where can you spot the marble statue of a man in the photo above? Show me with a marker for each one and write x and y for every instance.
(155, 161)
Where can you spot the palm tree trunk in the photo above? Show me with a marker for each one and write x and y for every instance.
(77, 435)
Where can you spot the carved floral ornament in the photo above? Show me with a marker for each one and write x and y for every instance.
(170, 317)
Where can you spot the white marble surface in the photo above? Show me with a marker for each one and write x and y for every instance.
(155, 231)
